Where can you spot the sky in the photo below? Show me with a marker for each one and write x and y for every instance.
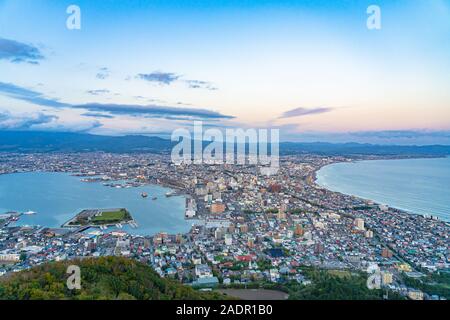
(312, 69)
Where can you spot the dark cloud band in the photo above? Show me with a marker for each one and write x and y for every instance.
(18, 52)
(174, 113)
(305, 111)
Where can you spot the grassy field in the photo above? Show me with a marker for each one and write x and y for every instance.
(339, 273)
(111, 217)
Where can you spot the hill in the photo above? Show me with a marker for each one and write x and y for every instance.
(31, 141)
(105, 278)
(34, 141)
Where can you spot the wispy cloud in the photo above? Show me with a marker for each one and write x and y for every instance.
(98, 92)
(297, 112)
(103, 73)
(164, 78)
(98, 115)
(167, 78)
(198, 84)
(18, 52)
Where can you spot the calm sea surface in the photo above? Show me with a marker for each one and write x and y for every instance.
(56, 197)
(416, 185)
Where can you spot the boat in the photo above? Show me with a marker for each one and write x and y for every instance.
(154, 198)
(169, 194)
(29, 213)
(144, 195)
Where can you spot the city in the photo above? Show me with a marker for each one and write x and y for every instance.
(225, 158)
(247, 228)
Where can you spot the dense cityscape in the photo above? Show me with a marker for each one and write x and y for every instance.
(247, 227)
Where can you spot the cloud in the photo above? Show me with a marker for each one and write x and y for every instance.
(157, 111)
(304, 111)
(72, 126)
(82, 126)
(20, 93)
(98, 92)
(159, 77)
(154, 111)
(103, 73)
(98, 115)
(24, 122)
(167, 78)
(44, 122)
(18, 52)
(198, 84)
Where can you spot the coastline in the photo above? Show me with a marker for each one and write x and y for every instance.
(315, 184)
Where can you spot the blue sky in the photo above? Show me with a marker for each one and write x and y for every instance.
(310, 68)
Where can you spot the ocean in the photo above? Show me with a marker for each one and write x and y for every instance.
(420, 186)
(56, 197)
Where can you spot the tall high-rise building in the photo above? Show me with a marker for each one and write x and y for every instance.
(359, 223)
(228, 239)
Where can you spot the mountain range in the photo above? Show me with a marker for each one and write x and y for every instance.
(35, 141)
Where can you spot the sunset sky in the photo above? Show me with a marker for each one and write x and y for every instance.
(310, 68)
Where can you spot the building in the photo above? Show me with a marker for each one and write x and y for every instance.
(200, 189)
(281, 215)
(299, 232)
(191, 208)
(386, 253)
(12, 257)
(415, 295)
(274, 275)
(386, 278)
(190, 213)
(207, 282)
(218, 234)
(228, 239)
(275, 188)
(369, 234)
(217, 207)
(243, 228)
(196, 260)
(318, 248)
(203, 271)
(359, 224)
(404, 267)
